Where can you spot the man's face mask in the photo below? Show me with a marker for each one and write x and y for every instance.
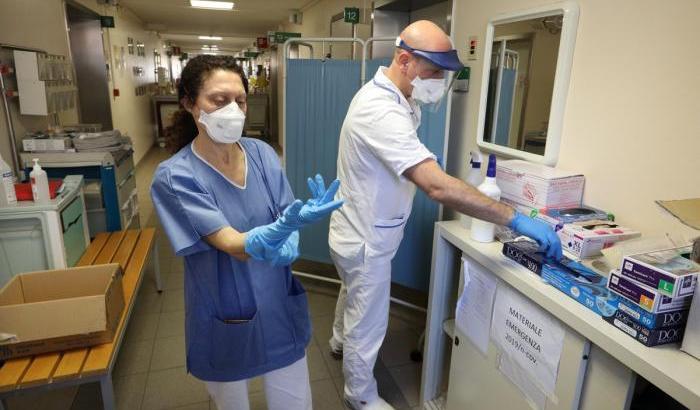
(224, 125)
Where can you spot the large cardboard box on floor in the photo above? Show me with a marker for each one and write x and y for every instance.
(60, 309)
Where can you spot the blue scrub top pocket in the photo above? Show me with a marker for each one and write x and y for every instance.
(236, 345)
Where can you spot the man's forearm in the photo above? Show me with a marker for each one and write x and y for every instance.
(457, 195)
(468, 200)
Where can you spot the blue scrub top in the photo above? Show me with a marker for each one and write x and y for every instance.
(242, 319)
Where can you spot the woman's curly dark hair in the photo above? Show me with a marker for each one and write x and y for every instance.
(184, 129)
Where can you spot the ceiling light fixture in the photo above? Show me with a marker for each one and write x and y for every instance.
(212, 38)
(213, 5)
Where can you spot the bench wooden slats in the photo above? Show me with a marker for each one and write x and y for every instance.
(71, 364)
(93, 249)
(99, 357)
(131, 250)
(12, 371)
(41, 369)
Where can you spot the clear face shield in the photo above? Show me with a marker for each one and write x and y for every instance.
(436, 75)
(432, 92)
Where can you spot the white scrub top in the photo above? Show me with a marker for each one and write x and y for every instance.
(378, 142)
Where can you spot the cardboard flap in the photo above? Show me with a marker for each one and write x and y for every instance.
(67, 283)
(42, 320)
(685, 210)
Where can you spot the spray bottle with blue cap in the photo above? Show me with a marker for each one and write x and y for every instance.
(483, 231)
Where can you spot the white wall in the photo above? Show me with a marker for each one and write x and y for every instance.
(632, 122)
(41, 24)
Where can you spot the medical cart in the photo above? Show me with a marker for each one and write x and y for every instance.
(44, 236)
(112, 202)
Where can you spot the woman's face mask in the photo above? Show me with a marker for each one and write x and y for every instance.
(224, 125)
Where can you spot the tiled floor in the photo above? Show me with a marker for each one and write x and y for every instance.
(150, 371)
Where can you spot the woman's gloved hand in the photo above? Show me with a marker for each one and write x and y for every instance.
(267, 239)
(286, 254)
(542, 233)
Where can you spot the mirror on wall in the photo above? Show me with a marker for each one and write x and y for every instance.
(527, 62)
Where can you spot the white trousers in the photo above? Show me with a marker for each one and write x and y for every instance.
(287, 388)
(361, 319)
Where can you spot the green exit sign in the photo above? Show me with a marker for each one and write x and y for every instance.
(351, 15)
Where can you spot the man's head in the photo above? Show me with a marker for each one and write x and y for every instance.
(423, 50)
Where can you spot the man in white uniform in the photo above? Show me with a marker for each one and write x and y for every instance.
(380, 163)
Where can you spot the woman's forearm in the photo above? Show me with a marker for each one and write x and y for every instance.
(230, 241)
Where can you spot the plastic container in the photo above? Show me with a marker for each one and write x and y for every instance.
(474, 179)
(40, 184)
(483, 231)
(7, 185)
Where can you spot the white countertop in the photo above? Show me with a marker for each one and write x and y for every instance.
(667, 367)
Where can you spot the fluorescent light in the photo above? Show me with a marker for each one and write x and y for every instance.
(210, 4)
(212, 38)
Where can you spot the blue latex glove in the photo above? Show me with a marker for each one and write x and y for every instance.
(319, 193)
(267, 239)
(287, 253)
(297, 215)
(542, 233)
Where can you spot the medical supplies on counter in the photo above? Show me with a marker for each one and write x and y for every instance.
(539, 186)
(666, 270)
(588, 238)
(72, 140)
(640, 311)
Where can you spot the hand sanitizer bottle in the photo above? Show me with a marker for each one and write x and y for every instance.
(483, 231)
(40, 184)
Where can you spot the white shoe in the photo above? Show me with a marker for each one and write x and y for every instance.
(378, 404)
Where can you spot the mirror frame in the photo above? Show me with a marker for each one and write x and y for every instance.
(562, 74)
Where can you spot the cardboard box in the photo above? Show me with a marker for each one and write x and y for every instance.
(60, 309)
(645, 336)
(646, 297)
(691, 340)
(539, 186)
(666, 270)
(653, 320)
(525, 253)
(58, 144)
(581, 284)
(588, 238)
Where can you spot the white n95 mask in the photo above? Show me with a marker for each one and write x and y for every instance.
(428, 90)
(224, 125)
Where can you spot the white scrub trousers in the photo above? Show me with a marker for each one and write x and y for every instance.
(361, 319)
(287, 388)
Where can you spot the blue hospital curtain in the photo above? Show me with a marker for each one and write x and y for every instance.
(411, 265)
(318, 94)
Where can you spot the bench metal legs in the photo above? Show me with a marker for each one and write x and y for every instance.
(107, 392)
(156, 267)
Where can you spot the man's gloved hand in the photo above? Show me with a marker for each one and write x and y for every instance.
(542, 233)
(286, 254)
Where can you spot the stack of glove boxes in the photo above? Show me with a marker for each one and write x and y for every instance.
(656, 290)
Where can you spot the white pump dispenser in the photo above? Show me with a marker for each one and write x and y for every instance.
(483, 231)
(40, 184)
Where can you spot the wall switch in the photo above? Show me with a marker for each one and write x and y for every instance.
(472, 47)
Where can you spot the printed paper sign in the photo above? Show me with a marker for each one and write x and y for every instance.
(530, 336)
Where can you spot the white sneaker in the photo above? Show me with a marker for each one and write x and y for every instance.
(378, 404)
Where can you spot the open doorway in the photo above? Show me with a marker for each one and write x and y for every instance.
(87, 53)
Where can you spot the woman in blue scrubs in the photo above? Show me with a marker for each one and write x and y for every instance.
(227, 208)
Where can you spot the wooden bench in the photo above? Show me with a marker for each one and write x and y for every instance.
(131, 249)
